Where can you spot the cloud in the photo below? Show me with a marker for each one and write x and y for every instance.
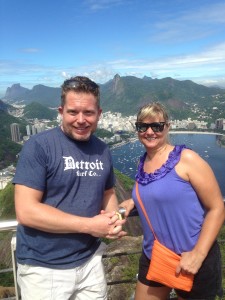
(96, 5)
(186, 25)
(65, 74)
(212, 57)
(203, 66)
(30, 50)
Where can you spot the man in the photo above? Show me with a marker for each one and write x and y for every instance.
(65, 201)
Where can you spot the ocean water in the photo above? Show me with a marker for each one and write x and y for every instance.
(126, 157)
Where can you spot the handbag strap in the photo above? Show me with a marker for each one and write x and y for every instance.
(144, 211)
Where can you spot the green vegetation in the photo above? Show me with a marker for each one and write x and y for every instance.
(102, 133)
(222, 235)
(8, 149)
(221, 140)
(127, 182)
(127, 94)
(222, 249)
(39, 111)
(7, 211)
(8, 152)
(6, 279)
(131, 269)
(114, 260)
(6, 120)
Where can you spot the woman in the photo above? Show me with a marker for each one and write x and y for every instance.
(184, 204)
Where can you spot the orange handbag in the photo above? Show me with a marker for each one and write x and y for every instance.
(164, 261)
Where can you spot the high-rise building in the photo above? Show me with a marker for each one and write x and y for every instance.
(28, 128)
(33, 129)
(219, 124)
(15, 132)
(40, 128)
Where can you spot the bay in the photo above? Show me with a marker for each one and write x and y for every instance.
(126, 157)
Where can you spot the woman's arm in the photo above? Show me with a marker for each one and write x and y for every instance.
(200, 175)
(128, 205)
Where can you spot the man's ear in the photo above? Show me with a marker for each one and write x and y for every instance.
(99, 113)
(60, 110)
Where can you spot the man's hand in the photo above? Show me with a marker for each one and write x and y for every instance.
(116, 223)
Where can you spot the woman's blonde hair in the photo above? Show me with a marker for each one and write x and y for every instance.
(151, 110)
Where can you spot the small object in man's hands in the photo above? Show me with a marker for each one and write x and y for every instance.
(121, 213)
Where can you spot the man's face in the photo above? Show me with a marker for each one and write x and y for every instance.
(80, 115)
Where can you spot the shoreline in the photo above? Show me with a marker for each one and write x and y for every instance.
(196, 132)
(134, 139)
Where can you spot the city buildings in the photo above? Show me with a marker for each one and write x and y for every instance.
(220, 124)
(113, 122)
(15, 132)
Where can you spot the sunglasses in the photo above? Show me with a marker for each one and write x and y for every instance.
(72, 83)
(155, 126)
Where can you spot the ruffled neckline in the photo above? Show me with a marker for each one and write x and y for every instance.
(173, 158)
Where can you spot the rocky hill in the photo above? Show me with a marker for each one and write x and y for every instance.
(8, 148)
(39, 111)
(126, 94)
(4, 106)
(44, 95)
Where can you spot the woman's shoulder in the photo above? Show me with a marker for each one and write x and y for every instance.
(187, 152)
(188, 155)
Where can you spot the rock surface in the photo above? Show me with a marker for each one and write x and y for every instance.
(122, 267)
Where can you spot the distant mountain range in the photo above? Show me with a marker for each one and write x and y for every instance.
(8, 149)
(47, 96)
(121, 94)
(126, 94)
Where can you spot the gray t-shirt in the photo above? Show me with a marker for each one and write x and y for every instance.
(73, 176)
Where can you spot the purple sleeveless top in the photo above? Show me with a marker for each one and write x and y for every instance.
(173, 207)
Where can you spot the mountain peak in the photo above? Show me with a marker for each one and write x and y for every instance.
(116, 80)
(147, 78)
(15, 91)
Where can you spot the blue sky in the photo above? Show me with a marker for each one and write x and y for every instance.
(45, 41)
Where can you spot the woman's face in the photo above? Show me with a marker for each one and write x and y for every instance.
(153, 132)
